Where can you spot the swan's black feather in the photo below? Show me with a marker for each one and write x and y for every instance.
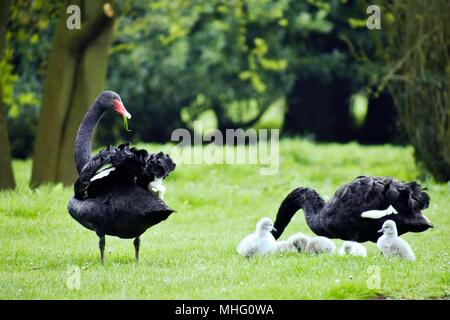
(110, 213)
(120, 204)
(132, 167)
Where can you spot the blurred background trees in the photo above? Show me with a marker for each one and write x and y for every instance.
(331, 98)
(310, 68)
(242, 57)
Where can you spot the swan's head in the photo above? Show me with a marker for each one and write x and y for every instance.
(418, 222)
(389, 228)
(265, 224)
(299, 241)
(347, 246)
(112, 101)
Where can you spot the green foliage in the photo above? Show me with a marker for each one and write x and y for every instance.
(192, 254)
(414, 66)
(235, 58)
(8, 79)
(29, 40)
(174, 60)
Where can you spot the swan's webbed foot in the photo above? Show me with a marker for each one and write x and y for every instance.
(137, 244)
(101, 245)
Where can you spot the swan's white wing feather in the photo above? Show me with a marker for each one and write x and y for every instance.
(103, 172)
(377, 214)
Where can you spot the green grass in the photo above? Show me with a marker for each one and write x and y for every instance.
(192, 254)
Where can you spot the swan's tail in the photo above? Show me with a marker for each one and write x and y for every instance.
(417, 197)
(304, 198)
(410, 198)
(407, 196)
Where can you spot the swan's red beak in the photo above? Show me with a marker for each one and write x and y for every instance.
(120, 108)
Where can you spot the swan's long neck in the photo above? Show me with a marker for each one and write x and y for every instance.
(83, 142)
(306, 199)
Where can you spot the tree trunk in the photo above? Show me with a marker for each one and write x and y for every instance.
(76, 74)
(90, 79)
(6, 172)
(56, 96)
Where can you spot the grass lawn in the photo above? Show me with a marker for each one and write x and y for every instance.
(192, 254)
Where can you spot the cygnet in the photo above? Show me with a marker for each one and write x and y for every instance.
(260, 242)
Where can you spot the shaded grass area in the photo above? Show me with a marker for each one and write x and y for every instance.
(192, 254)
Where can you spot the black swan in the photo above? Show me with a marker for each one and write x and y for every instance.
(115, 190)
(358, 209)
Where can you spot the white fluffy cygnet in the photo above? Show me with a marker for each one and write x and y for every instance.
(353, 249)
(393, 246)
(299, 241)
(318, 245)
(284, 246)
(260, 242)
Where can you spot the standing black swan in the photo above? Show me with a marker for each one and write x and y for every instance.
(115, 190)
(358, 209)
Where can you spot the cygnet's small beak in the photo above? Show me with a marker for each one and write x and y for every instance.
(380, 231)
(274, 229)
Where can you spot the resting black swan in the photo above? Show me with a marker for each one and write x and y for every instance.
(115, 190)
(358, 209)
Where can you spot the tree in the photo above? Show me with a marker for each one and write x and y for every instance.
(30, 30)
(335, 64)
(76, 74)
(6, 172)
(417, 75)
(235, 59)
(188, 57)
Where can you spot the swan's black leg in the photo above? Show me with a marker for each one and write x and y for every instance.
(137, 243)
(101, 245)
